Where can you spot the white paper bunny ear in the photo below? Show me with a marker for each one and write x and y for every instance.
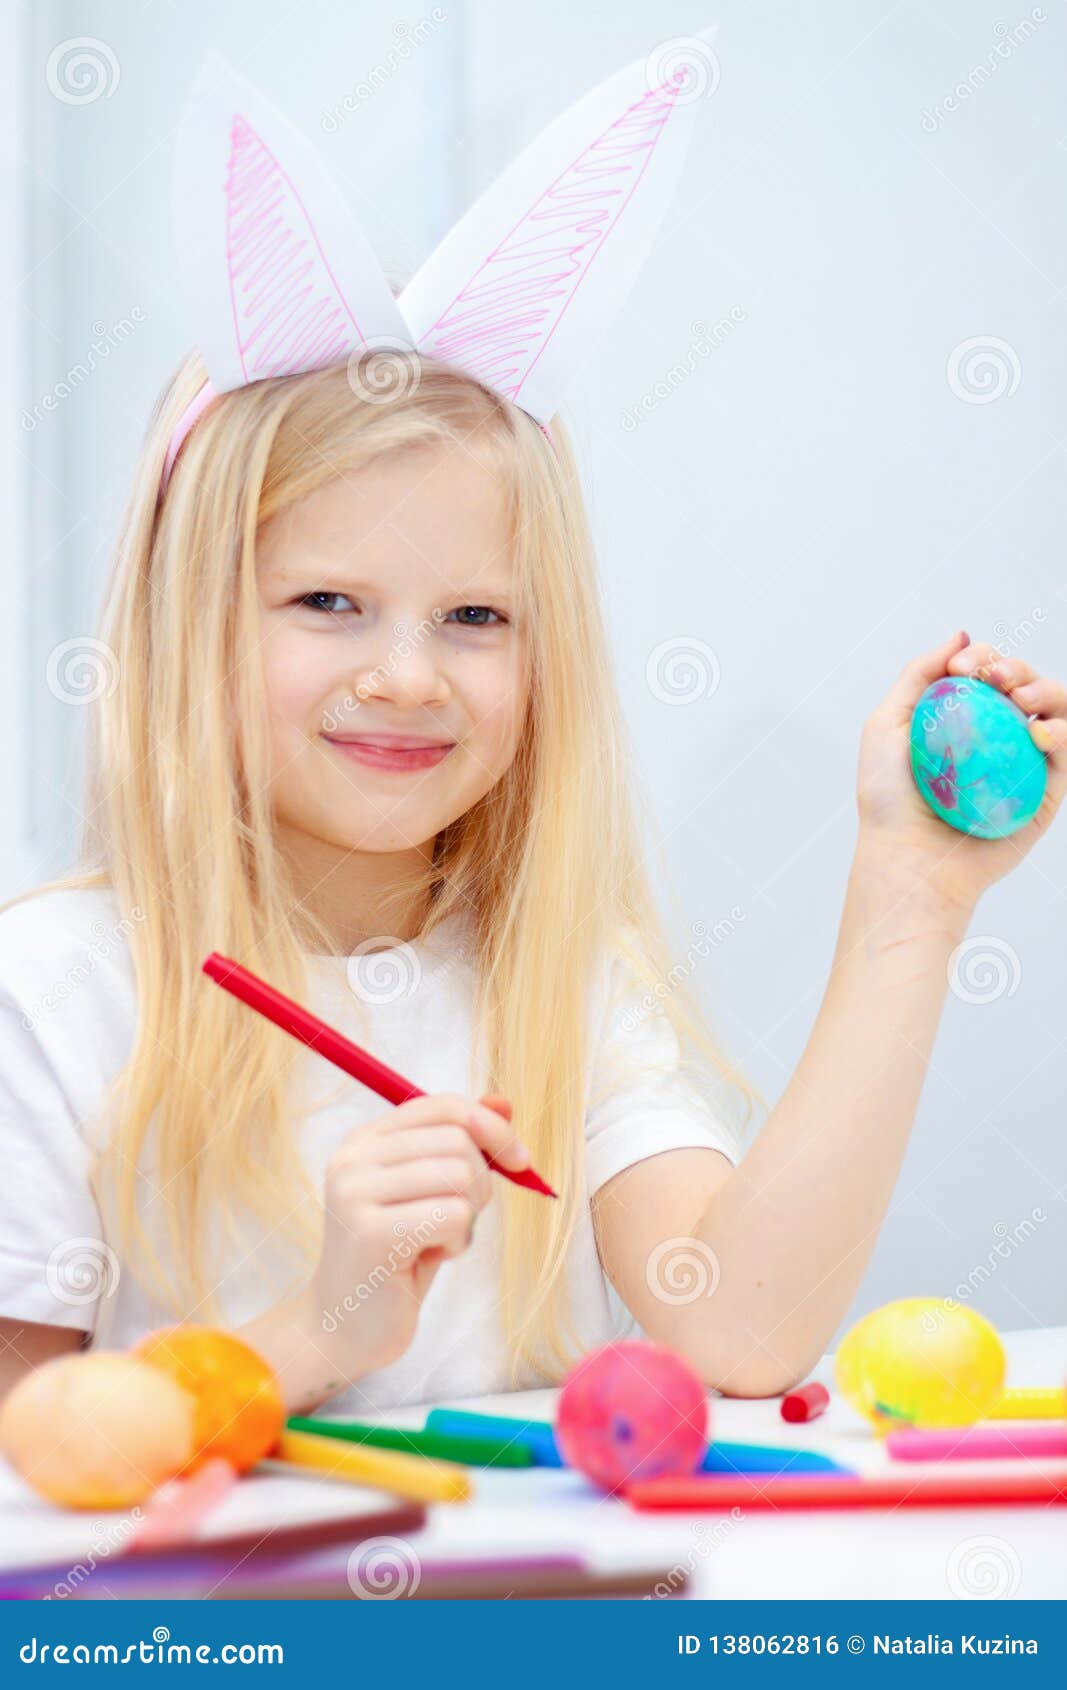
(280, 275)
(526, 282)
(283, 280)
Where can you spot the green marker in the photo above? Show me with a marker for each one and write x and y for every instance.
(439, 1446)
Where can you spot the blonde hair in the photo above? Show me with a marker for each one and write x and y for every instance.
(548, 864)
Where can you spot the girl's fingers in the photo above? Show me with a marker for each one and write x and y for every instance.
(433, 1176)
(432, 1224)
(414, 1143)
(1050, 736)
(424, 1146)
(970, 658)
(501, 1105)
(438, 1111)
(1038, 695)
(1007, 673)
(489, 1130)
(1041, 697)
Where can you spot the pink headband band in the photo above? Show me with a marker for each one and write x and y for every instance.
(197, 405)
(195, 409)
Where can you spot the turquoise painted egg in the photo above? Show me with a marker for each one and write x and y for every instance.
(973, 759)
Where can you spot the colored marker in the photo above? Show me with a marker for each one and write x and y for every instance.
(412, 1476)
(981, 1443)
(833, 1490)
(766, 1458)
(292, 1018)
(540, 1437)
(1030, 1402)
(176, 1510)
(536, 1436)
(439, 1446)
(807, 1403)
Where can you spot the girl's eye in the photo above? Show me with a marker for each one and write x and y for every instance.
(309, 599)
(479, 611)
(469, 615)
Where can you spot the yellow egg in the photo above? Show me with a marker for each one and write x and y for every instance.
(923, 1361)
(96, 1430)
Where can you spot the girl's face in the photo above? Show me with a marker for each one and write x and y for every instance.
(394, 663)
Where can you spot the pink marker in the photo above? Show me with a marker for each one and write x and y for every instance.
(971, 1443)
(175, 1511)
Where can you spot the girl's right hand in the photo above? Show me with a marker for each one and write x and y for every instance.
(402, 1195)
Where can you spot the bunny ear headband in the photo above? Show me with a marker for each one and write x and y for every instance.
(282, 278)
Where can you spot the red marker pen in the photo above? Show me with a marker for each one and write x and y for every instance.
(805, 1404)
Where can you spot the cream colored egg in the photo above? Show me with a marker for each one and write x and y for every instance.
(96, 1430)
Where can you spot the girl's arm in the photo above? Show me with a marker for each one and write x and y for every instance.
(779, 1244)
(776, 1247)
(27, 1344)
(402, 1194)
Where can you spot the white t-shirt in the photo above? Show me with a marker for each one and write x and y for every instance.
(67, 1022)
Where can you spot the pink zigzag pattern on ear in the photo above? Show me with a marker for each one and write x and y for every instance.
(289, 313)
(500, 322)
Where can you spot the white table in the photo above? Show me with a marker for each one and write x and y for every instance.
(904, 1552)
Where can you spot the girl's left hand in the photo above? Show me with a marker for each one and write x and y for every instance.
(893, 814)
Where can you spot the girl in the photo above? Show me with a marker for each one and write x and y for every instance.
(364, 740)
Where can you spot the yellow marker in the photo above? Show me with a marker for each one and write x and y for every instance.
(1030, 1403)
(413, 1476)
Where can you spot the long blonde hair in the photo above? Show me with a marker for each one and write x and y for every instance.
(549, 863)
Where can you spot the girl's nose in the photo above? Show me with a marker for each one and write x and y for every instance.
(404, 671)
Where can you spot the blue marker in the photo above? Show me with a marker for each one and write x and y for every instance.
(766, 1458)
(537, 1435)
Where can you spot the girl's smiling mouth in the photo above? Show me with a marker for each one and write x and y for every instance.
(397, 752)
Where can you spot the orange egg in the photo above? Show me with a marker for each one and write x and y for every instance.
(96, 1430)
(240, 1414)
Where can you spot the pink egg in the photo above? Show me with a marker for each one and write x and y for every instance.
(632, 1411)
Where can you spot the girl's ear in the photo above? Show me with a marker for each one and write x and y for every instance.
(533, 274)
(279, 274)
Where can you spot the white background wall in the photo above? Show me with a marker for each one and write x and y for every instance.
(815, 502)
